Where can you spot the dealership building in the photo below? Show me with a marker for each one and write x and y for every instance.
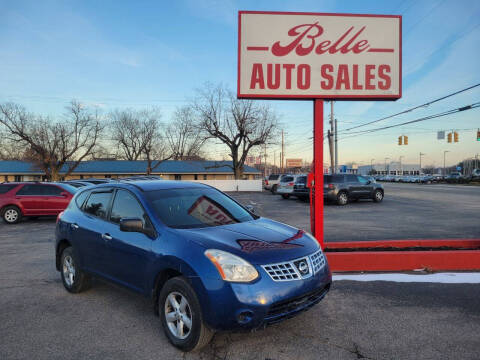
(169, 170)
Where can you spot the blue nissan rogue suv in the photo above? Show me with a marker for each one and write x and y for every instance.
(208, 263)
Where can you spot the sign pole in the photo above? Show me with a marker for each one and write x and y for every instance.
(317, 207)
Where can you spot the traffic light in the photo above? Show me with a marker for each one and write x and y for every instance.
(399, 140)
(455, 136)
(449, 139)
(405, 140)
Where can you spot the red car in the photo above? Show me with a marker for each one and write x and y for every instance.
(33, 199)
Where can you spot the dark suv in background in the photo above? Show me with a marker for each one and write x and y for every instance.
(341, 188)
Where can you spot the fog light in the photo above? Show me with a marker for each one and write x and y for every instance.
(244, 317)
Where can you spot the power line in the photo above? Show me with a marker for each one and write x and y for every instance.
(411, 109)
(445, 113)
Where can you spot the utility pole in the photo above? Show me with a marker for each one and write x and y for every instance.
(330, 140)
(444, 170)
(336, 147)
(421, 154)
(282, 155)
(387, 158)
(274, 160)
(401, 168)
(371, 166)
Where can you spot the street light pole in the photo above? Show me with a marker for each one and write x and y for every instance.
(444, 170)
(421, 154)
(371, 166)
(387, 158)
(401, 168)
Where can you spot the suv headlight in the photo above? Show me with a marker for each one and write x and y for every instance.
(231, 267)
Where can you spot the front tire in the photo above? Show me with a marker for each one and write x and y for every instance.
(11, 215)
(285, 196)
(74, 279)
(378, 196)
(342, 198)
(182, 317)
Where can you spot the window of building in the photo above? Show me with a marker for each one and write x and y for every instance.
(126, 205)
(195, 177)
(18, 178)
(108, 176)
(205, 177)
(5, 178)
(97, 204)
(81, 176)
(178, 177)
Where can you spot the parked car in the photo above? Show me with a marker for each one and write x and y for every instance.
(341, 188)
(207, 262)
(285, 187)
(271, 182)
(33, 199)
(300, 189)
(77, 184)
(455, 177)
(475, 175)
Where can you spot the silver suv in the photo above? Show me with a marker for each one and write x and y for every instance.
(271, 182)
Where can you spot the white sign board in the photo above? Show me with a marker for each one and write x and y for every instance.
(323, 56)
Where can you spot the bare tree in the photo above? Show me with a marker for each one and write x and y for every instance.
(140, 136)
(126, 131)
(185, 138)
(239, 124)
(53, 145)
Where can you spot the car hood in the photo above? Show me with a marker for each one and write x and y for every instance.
(260, 241)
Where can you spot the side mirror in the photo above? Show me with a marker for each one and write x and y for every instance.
(131, 225)
(135, 225)
(250, 208)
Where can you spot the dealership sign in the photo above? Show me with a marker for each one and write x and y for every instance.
(319, 56)
(294, 163)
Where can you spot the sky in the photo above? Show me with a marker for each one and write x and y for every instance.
(117, 54)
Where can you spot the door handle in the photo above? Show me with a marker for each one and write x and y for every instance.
(106, 237)
(74, 226)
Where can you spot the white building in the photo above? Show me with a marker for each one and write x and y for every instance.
(390, 168)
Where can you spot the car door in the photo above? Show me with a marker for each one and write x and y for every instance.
(88, 231)
(365, 187)
(32, 199)
(128, 252)
(55, 202)
(354, 187)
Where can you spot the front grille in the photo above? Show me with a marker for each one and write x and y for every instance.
(282, 271)
(318, 261)
(288, 270)
(291, 307)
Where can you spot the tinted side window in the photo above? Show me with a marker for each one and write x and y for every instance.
(97, 204)
(126, 205)
(32, 189)
(333, 179)
(80, 199)
(6, 188)
(51, 190)
(351, 178)
(362, 180)
(273, 177)
(301, 180)
(287, 178)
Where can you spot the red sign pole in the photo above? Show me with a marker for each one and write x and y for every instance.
(317, 201)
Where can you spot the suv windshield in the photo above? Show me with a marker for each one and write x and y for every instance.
(196, 208)
(273, 177)
(301, 180)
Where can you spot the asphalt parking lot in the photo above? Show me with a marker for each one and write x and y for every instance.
(371, 320)
(408, 211)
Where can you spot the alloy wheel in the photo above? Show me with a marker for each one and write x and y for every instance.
(178, 315)
(379, 195)
(69, 270)
(11, 215)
